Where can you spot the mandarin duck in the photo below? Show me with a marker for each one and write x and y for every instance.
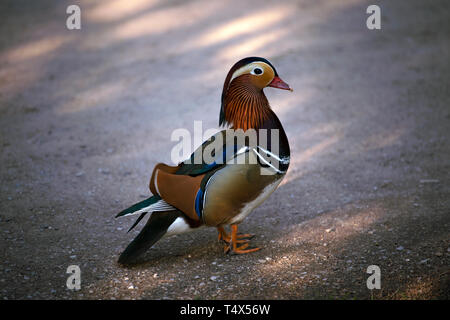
(228, 176)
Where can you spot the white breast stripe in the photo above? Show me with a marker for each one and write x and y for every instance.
(283, 160)
(266, 162)
(241, 150)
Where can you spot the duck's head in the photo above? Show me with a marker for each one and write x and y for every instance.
(244, 104)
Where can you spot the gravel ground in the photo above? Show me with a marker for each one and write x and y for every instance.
(86, 114)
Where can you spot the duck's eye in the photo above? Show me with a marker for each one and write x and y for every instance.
(257, 71)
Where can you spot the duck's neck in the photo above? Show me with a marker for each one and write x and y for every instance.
(245, 106)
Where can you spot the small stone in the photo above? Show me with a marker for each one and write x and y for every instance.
(104, 171)
(399, 248)
(424, 261)
(155, 275)
(73, 257)
(429, 181)
(330, 230)
(438, 254)
(130, 287)
(213, 278)
(386, 183)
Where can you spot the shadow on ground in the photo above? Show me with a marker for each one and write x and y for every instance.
(85, 115)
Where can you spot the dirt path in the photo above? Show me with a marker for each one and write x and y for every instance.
(85, 115)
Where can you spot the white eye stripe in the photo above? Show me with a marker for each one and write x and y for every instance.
(248, 69)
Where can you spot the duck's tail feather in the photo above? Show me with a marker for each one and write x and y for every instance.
(137, 221)
(152, 204)
(143, 206)
(155, 228)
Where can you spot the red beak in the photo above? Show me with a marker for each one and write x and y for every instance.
(280, 84)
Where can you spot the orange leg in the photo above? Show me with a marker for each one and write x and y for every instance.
(232, 245)
(224, 236)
